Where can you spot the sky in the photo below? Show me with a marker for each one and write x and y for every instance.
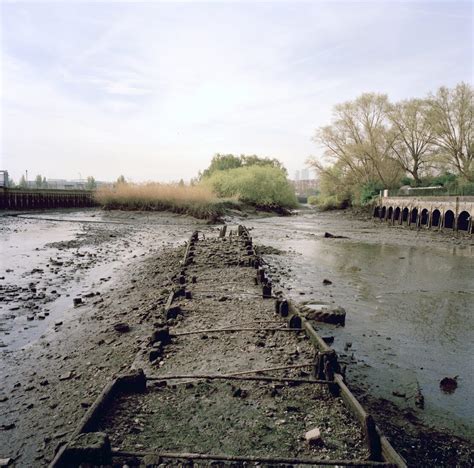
(153, 90)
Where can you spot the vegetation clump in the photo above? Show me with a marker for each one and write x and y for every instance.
(263, 186)
(229, 182)
(196, 200)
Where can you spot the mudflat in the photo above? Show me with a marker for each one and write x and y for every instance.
(121, 267)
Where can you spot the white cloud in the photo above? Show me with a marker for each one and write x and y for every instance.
(153, 90)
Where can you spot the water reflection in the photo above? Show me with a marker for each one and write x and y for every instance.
(409, 308)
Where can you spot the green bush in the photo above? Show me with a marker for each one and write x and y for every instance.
(369, 191)
(265, 187)
(329, 202)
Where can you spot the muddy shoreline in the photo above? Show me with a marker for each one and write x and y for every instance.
(50, 378)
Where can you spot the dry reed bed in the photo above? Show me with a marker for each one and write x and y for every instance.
(195, 200)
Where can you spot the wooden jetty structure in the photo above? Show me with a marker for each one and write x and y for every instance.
(196, 393)
(32, 199)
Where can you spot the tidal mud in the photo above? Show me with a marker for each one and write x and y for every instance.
(408, 298)
(407, 295)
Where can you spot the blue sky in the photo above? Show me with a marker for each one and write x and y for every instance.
(153, 90)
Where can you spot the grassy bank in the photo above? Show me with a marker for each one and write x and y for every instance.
(198, 201)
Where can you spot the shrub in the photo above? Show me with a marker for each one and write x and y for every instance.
(264, 187)
(369, 191)
(329, 202)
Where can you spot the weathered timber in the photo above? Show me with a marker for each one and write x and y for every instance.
(27, 199)
(156, 458)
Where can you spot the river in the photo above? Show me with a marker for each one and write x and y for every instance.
(409, 301)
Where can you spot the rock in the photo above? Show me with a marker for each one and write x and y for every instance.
(328, 339)
(7, 427)
(3, 398)
(328, 235)
(122, 327)
(155, 354)
(239, 392)
(419, 399)
(66, 376)
(326, 282)
(223, 299)
(77, 301)
(6, 462)
(173, 312)
(399, 394)
(161, 334)
(449, 384)
(313, 437)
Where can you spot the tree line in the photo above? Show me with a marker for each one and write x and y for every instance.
(40, 182)
(372, 143)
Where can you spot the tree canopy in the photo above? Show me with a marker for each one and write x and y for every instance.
(372, 144)
(223, 162)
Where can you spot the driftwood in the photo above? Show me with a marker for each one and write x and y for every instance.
(238, 377)
(269, 369)
(236, 458)
(231, 330)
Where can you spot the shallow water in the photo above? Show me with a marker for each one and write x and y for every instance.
(409, 308)
(41, 273)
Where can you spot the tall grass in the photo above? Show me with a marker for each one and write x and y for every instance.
(198, 201)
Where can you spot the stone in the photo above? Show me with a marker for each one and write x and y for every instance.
(326, 282)
(65, 376)
(122, 327)
(313, 437)
(449, 384)
(6, 462)
(173, 312)
(7, 427)
(155, 354)
(77, 301)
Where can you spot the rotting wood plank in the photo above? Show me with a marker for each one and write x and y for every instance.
(251, 459)
(236, 377)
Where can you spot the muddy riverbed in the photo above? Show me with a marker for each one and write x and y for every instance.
(408, 297)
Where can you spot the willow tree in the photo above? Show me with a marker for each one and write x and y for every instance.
(360, 141)
(413, 136)
(452, 117)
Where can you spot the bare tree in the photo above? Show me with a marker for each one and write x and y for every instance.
(452, 117)
(359, 139)
(413, 136)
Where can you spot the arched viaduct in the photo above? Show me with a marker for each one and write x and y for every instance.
(442, 213)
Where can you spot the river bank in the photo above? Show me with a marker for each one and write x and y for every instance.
(119, 265)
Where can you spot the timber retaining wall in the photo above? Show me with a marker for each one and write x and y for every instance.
(25, 199)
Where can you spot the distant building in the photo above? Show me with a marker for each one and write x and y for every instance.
(4, 181)
(305, 174)
(297, 175)
(305, 188)
(77, 184)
